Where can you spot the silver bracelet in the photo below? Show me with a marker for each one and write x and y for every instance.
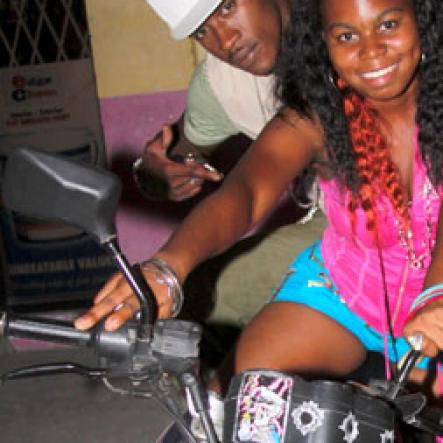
(165, 275)
(136, 165)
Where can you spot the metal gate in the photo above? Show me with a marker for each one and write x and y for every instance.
(48, 100)
(42, 31)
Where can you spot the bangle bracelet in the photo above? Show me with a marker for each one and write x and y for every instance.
(165, 275)
(427, 296)
(138, 162)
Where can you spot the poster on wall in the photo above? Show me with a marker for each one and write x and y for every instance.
(51, 106)
(48, 101)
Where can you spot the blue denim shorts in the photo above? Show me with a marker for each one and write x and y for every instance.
(308, 282)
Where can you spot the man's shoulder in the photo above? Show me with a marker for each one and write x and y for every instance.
(247, 99)
(221, 74)
(206, 120)
(225, 81)
(222, 93)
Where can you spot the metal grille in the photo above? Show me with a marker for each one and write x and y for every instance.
(42, 31)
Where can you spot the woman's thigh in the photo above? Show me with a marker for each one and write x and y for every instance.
(290, 337)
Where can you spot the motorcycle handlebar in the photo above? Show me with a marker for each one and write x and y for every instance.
(116, 345)
(49, 330)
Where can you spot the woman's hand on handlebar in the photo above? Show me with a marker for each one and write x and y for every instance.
(117, 302)
(428, 322)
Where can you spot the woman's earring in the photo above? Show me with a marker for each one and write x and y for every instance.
(423, 57)
(336, 81)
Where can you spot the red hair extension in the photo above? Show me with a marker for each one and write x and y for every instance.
(377, 172)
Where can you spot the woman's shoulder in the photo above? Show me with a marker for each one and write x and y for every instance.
(302, 131)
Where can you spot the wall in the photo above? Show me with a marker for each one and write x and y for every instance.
(142, 76)
(133, 52)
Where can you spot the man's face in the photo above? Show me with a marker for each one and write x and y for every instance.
(245, 33)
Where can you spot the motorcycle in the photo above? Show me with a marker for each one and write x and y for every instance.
(150, 358)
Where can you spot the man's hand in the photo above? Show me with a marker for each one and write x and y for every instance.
(184, 179)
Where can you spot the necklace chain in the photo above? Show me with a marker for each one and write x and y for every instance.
(406, 239)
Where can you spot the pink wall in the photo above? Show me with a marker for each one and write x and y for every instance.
(143, 226)
(128, 122)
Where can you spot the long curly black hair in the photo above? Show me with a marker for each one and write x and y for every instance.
(303, 83)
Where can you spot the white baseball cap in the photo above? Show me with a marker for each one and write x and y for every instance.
(183, 16)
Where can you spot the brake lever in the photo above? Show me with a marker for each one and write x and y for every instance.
(389, 390)
(412, 407)
(398, 383)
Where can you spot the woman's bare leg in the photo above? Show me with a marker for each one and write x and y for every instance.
(294, 338)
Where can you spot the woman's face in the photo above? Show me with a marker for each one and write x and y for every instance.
(373, 45)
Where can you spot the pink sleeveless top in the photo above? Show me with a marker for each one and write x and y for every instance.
(352, 259)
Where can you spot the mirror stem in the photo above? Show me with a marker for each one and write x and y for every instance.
(134, 276)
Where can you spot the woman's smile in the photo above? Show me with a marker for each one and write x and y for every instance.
(378, 73)
(382, 76)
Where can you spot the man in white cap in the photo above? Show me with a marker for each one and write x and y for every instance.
(231, 93)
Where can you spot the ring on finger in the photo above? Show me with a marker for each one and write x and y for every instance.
(118, 307)
(128, 306)
(416, 341)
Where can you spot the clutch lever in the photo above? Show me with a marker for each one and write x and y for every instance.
(52, 369)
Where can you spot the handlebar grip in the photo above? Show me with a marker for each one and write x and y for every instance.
(49, 330)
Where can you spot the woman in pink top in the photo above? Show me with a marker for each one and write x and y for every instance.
(362, 84)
